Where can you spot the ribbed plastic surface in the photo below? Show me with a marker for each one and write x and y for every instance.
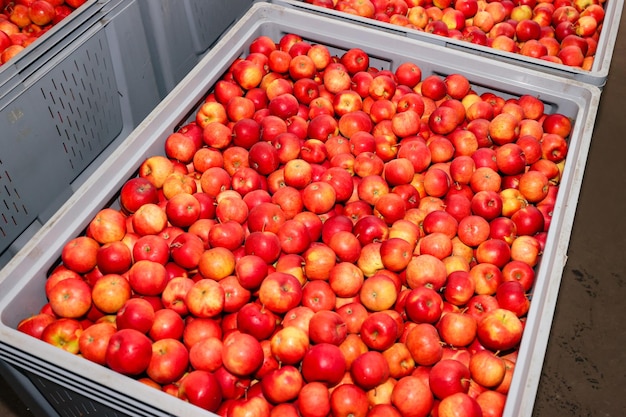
(69, 106)
(22, 281)
(181, 31)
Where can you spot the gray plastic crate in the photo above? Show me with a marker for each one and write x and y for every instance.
(180, 32)
(97, 388)
(63, 32)
(66, 111)
(596, 76)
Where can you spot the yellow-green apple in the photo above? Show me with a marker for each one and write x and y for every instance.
(63, 333)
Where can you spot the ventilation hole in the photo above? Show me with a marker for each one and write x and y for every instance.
(43, 93)
(2, 232)
(24, 208)
(6, 189)
(7, 174)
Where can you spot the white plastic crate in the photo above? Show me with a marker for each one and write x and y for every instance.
(97, 388)
(64, 112)
(596, 76)
(180, 32)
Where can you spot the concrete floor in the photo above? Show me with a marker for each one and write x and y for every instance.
(584, 370)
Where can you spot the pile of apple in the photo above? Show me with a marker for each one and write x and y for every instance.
(560, 31)
(325, 238)
(23, 21)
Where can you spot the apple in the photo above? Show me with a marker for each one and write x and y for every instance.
(499, 329)
(110, 293)
(411, 396)
(35, 324)
(70, 298)
(327, 326)
(369, 370)
(289, 344)
(129, 352)
(94, 340)
(242, 353)
(448, 377)
(149, 219)
(136, 313)
(80, 254)
(169, 361)
(147, 277)
(426, 269)
(63, 333)
(205, 298)
(200, 388)
(423, 305)
(348, 399)
(151, 248)
(379, 331)
(314, 400)
(136, 192)
(460, 402)
(457, 329)
(280, 292)
(166, 324)
(459, 288)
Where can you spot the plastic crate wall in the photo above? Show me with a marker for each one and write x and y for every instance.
(59, 121)
(180, 32)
